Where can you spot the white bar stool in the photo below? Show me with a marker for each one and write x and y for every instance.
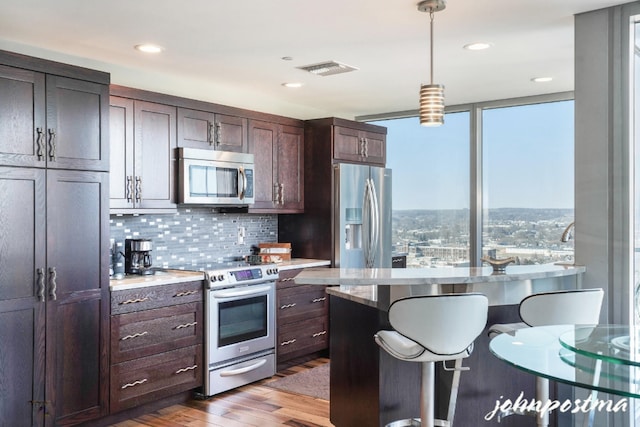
(429, 329)
(568, 307)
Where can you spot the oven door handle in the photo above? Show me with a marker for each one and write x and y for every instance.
(233, 293)
(243, 370)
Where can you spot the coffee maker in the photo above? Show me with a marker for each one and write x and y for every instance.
(137, 256)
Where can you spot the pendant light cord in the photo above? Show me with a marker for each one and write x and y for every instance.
(431, 14)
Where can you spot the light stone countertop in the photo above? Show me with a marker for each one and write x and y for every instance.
(431, 276)
(161, 277)
(378, 287)
(302, 263)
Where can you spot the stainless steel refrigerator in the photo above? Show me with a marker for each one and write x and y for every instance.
(347, 215)
(361, 223)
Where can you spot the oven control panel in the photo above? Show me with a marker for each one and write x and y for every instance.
(248, 275)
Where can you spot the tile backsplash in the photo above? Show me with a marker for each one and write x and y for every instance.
(193, 237)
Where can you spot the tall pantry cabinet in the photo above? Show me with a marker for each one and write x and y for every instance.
(54, 213)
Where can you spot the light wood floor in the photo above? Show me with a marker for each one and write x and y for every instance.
(251, 405)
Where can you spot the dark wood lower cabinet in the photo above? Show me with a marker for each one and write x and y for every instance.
(156, 343)
(54, 306)
(302, 319)
(146, 379)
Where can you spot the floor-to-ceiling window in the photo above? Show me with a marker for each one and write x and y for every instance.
(525, 183)
(430, 190)
(527, 191)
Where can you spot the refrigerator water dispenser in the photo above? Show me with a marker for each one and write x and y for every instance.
(353, 228)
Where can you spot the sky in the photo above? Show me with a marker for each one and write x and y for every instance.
(528, 158)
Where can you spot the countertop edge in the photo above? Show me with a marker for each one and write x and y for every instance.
(168, 277)
(296, 263)
(411, 276)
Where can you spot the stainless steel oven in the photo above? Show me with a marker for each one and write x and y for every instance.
(239, 326)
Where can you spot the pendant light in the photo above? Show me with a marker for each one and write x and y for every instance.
(431, 95)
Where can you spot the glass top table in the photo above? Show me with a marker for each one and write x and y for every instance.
(589, 357)
(611, 343)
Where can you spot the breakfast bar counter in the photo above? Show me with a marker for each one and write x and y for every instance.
(371, 388)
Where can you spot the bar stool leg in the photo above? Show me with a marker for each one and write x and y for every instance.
(542, 396)
(427, 390)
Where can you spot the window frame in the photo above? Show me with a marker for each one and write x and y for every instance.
(475, 153)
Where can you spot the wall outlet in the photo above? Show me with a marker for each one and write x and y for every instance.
(241, 235)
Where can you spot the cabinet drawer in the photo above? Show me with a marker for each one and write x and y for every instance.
(302, 337)
(150, 378)
(143, 333)
(286, 279)
(145, 298)
(300, 303)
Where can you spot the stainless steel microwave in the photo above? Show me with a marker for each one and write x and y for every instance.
(209, 177)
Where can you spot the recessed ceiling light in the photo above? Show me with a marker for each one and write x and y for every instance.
(477, 46)
(148, 48)
(541, 79)
(292, 84)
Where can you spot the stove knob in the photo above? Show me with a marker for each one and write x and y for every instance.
(212, 279)
(274, 271)
(220, 277)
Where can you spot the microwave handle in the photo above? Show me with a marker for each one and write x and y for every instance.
(242, 178)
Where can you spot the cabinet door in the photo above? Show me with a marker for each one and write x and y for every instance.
(375, 148)
(291, 169)
(206, 130)
(77, 330)
(77, 124)
(121, 177)
(359, 146)
(196, 129)
(347, 144)
(22, 256)
(230, 133)
(263, 137)
(22, 119)
(155, 141)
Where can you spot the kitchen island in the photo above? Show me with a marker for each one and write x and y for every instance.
(371, 388)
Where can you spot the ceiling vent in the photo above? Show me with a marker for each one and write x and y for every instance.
(328, 68)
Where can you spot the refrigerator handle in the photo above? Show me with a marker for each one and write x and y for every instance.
(366, 223)
(375, 208)
(370, 224)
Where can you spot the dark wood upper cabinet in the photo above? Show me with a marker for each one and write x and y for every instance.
(143, 142)
(279, 167)
(207, 130)
(51, 120)
(359, 146)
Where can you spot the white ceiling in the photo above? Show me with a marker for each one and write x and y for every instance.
(230, 51)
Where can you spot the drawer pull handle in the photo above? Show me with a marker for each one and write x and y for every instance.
(135, 300)
(282, 307)
(185, 293)
(318, 299)
(188, 368)
(135, 383)
(186, 325)
(319, 334)
(287, 279)
(287, 342)
(136, 335)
